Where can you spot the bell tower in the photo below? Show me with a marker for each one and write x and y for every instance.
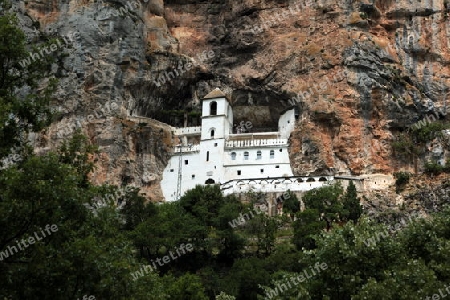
(217, 116)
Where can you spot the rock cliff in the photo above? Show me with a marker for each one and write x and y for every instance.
(360, 72)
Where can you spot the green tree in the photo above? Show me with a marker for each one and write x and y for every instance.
(87, 254)
(204, 203)
(352, 208)
(359, 268)
(263, 228)
(306, 227)
(20, 111)
(211, 209)
(77, 152)
(326, 201)
(291, 205)
(186, 287)
(246, 277)
(136, 210)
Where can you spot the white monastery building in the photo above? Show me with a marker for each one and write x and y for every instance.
(212, 154)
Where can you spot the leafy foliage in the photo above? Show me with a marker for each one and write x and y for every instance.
(96, 248)
(88, 253)
(434, 168)
(352, 208)
(404, 146)
(20, 111)
(401, 178)
(326, 201)
(291, 204)
(428, 131)
(307, 225)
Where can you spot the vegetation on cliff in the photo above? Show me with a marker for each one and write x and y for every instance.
(61, 239)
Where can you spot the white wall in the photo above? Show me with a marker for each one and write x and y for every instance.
(274, 185)
(377, 181)
(222, 106)
(286, 123)
(221, 167)
(251, 168)
(218, 123)
(230, 121)
(170, 179)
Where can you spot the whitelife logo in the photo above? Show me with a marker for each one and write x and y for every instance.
(53, 47)
(379, 236)
(165, 260)
(31, 240)
(303, 276)
(182, 68)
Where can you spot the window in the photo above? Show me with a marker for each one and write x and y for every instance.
(233, 155)
(239, 172)
(215, 144)
(272, 154)
(193, 176)
(213, 108)
(186, 162)
(207, 156)
(171, 170)
(245, 155)
(281, 150)
(277, 167)
(262, 171)
(212, 133)
(258, 155)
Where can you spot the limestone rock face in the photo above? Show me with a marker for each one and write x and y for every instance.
(360, 74)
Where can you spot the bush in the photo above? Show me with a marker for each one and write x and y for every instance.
(404, 146)
(447, 166)
(433, 168)
(402, 178)
(428, 131)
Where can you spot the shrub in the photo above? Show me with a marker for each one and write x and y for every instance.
(428, 131)
(402, 178)
(433, 168)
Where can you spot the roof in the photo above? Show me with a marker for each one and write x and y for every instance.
(216, 93)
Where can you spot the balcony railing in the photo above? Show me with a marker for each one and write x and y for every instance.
(185, 149)
(187, 130)
(255, 143)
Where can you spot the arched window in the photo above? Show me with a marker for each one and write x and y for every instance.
(213, 108)
(212, 133)
(245, 155)
(207, 156)
(258, 155)
(272, 154)
(233, 155)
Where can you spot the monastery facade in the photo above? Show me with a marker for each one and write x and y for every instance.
(213, 154)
